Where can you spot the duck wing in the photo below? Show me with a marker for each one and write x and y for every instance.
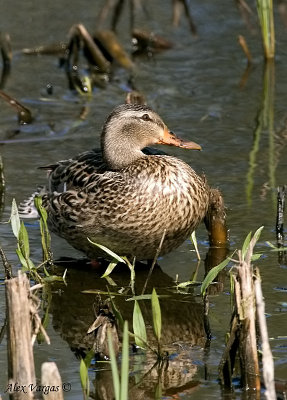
(74, 173)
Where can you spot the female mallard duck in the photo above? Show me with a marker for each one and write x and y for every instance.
(124, 198)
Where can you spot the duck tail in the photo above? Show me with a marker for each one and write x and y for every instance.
(27, 207)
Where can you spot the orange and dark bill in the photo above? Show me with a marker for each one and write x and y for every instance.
(172, 140)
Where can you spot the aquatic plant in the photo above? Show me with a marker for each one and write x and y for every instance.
(120, 383)
(23, 246)
(84, 373)
(265, 14)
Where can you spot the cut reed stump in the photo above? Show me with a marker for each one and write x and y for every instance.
(242, 339)
(21, 369)
(242, 343)
(51, 378)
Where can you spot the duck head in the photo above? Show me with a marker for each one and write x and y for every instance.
(130, 128)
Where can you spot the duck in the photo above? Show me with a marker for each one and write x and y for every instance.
(127, 196)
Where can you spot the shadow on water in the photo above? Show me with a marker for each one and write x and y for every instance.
(183, 324)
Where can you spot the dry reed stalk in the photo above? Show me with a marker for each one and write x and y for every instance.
(51, 378)
(243, 44)
(267, 359)
(242, 338)
(21, 368)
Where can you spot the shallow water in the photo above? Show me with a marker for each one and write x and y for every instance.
(197, 88)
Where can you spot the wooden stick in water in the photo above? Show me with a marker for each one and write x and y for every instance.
(21, 370)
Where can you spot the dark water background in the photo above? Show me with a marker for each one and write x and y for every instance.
(197, 89)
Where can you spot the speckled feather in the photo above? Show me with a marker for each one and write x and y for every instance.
(128, 208)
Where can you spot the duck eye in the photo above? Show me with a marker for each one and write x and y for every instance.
(145, 117)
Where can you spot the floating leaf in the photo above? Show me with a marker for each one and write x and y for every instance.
(139, 326)
(156, 314)
(188, 283)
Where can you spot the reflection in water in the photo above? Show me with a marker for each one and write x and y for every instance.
(265, 121)
(182, 325)
(2, 186)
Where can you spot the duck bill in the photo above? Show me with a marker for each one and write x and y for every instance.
(173, 140)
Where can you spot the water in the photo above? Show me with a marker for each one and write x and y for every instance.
(197, 88)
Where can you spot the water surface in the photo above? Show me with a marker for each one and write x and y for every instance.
(197, 88)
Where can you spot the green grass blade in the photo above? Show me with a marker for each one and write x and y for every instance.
(84, 376)
(212, 274)
(23, 262)
(156, 314)
(125, 365)
(116, 312)
(194, 241)
(14, 219)
(158, 391)
(115, 372)
(246, 245)
(110, 268)
(108, 251)
(257, 234)
(23, 241)
(139, 326)
(256, 256)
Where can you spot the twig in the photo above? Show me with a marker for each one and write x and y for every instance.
(280, 215)
(154, 261)
(243, 44)
(6, 264)
(24, 114)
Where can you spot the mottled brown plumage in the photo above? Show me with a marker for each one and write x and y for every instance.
(125, 199)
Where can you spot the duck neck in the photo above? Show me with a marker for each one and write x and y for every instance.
(120, 153)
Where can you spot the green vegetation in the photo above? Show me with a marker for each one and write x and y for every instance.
(265, 14)
(120, 382)
(23, 246)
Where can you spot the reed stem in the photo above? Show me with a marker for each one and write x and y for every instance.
(265, 14)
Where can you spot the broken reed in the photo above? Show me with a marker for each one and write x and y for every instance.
(265, 14)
